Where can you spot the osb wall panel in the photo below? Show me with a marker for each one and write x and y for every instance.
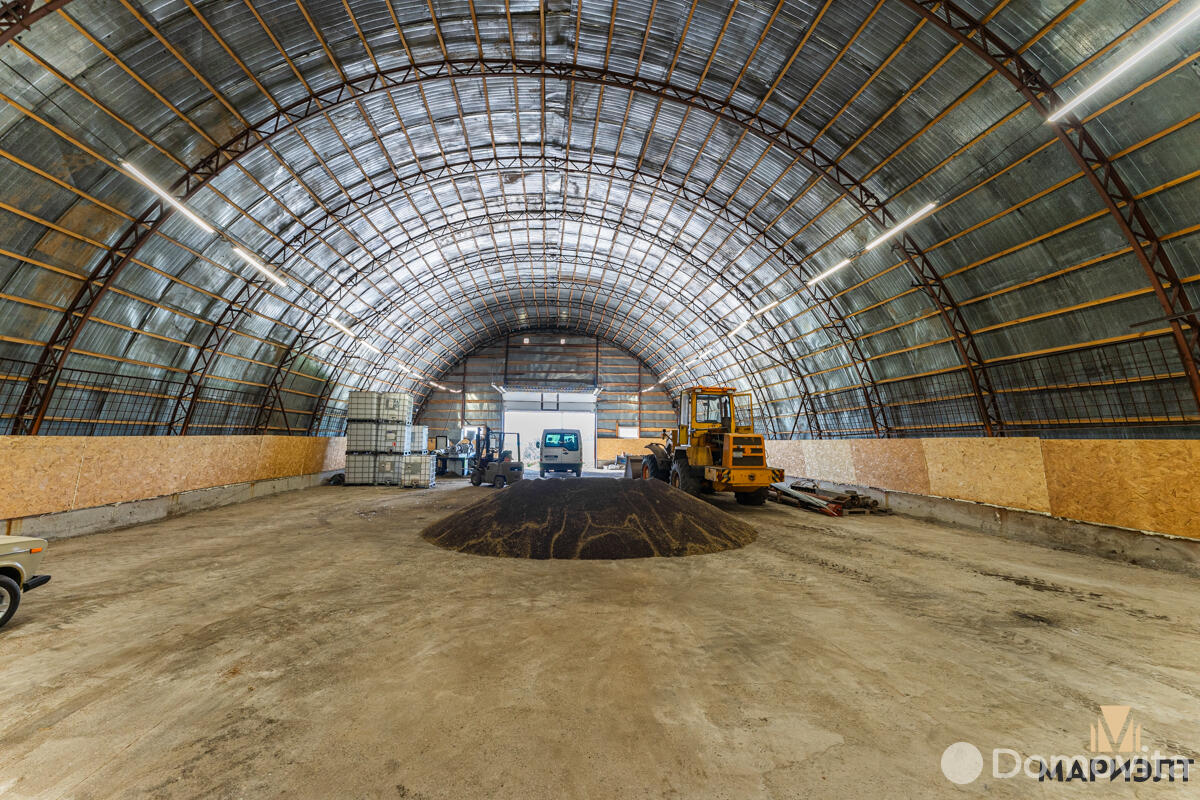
(608, 449)
(38, 473)
(46, 474)
(831, 460)
(787, 455)
(1148, 485)
(334, 456)
(1003, 472)
(896, 464)
(116, 469)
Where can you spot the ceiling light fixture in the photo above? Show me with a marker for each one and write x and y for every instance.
(370, 346)
(828, 272)
(890, 232)
(158, 190)
(1158, 41)
(340, 326)
(764, 309)
(258, 265)
(739, 328)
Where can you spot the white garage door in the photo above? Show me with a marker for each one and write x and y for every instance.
(529, 413)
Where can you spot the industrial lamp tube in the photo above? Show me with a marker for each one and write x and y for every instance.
(258, 265)
(1155, 43)
(890, 232)
(828, 272)
(158, 190)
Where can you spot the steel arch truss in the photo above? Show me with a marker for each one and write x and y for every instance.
(36, 398)
(1119, 200)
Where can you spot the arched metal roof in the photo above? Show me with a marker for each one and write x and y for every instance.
(672, 175)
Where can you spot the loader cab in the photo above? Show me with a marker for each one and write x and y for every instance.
(705, 408)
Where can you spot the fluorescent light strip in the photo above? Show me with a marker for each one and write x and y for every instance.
(258, 265)
(370, 346)
(883, 237)
(158, 190)
(828, 272)
(340, 326)
(1127, 64)
(764, 309)
(739, 328)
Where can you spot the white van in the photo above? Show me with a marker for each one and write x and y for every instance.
(561, 451)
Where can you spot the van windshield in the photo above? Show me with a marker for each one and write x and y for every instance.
(567, 440)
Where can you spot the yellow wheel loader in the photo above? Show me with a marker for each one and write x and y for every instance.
(709, 452)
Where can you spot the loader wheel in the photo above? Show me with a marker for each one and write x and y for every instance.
(647, 472)
(683, 479)
(755, 498)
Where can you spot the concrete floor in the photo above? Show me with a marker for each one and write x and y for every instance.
(312, 645)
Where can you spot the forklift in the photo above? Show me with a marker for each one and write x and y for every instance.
(709, 452)
(492, 463)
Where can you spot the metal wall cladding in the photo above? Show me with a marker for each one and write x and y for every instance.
(493, 204)
(552, 360)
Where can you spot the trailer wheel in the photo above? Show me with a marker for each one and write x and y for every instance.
(755, 498)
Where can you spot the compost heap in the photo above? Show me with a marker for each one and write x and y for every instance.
(589, 518)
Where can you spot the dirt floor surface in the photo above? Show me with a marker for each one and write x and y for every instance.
(313, 645)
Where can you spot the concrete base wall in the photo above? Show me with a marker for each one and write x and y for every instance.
(1161, 551)
(82, 521)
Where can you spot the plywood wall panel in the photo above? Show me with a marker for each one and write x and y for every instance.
(334, 455)
(830, 461)
(1147, 485)
(787, 455)
(1003, 472)
(608, 449)
(894, 464)
(39, 473)
(117, 469)
(48, 474)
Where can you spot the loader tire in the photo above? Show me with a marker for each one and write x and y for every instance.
(755, 498)
(683, 479)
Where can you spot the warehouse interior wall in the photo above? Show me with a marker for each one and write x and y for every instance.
(550, 360)
(52, 474)
(1146, 485)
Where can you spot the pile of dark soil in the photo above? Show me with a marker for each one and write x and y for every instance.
(589, 518)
